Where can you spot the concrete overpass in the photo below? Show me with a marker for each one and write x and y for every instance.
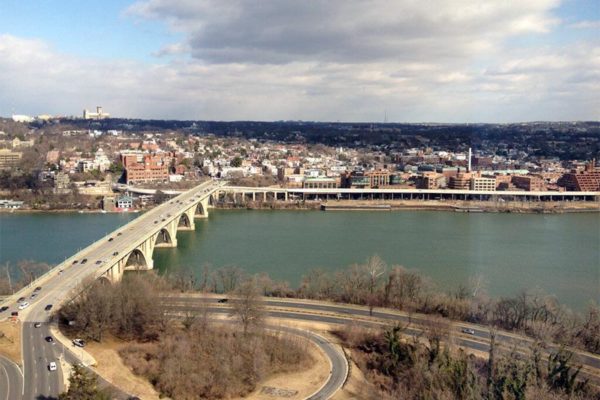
(242, 193)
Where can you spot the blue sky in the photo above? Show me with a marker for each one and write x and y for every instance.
(463, 61)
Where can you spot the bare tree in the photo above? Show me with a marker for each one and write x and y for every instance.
(247, 307)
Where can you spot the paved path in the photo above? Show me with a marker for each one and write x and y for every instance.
(11, 380)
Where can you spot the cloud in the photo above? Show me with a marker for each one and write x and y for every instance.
(349, 31)
(322, 60)
(585, 25)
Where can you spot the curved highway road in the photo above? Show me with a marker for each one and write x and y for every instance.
(11, 380)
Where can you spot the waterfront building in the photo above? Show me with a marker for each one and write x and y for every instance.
(12, 204)
(321, 183)
(430, 180)
(125, 203)
(529, 183)
(587, 180)
(479, 184)
(461, 181)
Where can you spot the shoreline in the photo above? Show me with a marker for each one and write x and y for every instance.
(420, 205)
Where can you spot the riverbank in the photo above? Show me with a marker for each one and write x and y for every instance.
(423, 205)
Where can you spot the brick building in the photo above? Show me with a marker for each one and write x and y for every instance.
(587, 180)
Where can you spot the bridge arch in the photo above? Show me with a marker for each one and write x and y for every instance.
(184, 221)
(103, 280)
(163, 237)
(200, 209)
(136, 260)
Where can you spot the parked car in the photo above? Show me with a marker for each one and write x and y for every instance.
(79, 342)
(48, 307)
(52, 366)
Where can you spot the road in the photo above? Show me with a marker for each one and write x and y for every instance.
(61, 284)
(332, 313)
(11, 380)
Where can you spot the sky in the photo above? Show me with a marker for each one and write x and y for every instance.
(318, 60)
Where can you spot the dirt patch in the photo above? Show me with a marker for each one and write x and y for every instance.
(111, 367)
(295, 385)
(10, 340)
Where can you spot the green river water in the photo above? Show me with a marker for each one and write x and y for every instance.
(558, 254)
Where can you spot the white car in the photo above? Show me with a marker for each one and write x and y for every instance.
(79, 342)
(52, 366)
(23, 305)
(468, 331)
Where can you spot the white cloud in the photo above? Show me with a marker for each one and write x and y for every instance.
(322, 60)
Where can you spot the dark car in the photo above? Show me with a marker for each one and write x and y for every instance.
(116, 253)
(222, 301)
(14, 314)
(37, 289)
(37, 324)
(21, 299)
(48, 307)
(74, 262)
(3, 308)
(84, 261)
(119, 234)
(110, 240)
(49, 339)
(98, 262)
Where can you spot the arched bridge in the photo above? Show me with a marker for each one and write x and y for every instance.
(131, 246)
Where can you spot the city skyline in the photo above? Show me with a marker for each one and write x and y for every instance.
(350, 61)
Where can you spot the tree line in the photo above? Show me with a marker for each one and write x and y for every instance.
(375, 284)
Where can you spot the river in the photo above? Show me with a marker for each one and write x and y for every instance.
(558, 254)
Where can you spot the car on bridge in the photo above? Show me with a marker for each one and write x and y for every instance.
(74, 262)
(48, 307)
(111, 239)
(98, 262)
(23, 305)
(116, 253)
(84, 261)
(3, 308)
(21, 299)
(37, 289)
